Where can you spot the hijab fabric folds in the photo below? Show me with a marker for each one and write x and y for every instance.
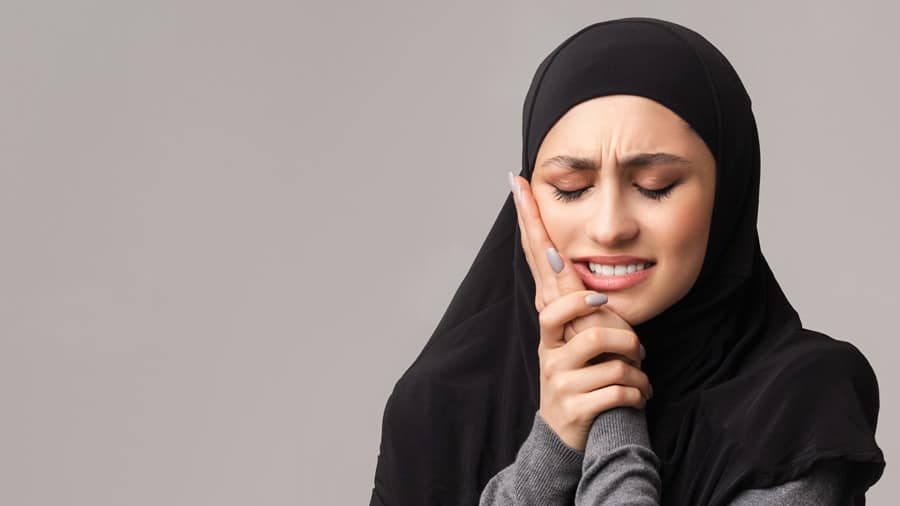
(744, 396)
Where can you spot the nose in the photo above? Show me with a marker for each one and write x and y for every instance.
(612, 222)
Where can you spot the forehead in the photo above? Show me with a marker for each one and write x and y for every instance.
(623, 123)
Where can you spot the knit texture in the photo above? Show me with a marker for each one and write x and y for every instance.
(618, 466)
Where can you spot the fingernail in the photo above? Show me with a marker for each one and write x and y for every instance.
(643, 352)
(515, 187)
(556, 261)
(595, 299)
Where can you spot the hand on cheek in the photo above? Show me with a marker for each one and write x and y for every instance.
(583, 341)
(553, 273)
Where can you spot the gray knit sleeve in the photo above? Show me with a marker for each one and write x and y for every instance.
(545, 472)
(823, 485)
(619, 467)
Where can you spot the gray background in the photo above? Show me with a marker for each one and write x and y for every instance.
(229, 227)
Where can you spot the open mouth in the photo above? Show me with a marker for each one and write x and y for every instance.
(606, 278)
(617, 270)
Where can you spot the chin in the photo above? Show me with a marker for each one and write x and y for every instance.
(623, 310)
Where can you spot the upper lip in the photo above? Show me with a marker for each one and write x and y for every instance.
(613, 260)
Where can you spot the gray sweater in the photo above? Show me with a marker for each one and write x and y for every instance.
(619, 467)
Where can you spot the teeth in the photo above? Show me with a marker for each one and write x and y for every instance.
(615, 270)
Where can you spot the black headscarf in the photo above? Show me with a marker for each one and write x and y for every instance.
(744, 397)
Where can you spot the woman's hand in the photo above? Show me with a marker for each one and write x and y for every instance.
(572, 392)
(572, 395)
(550, 285)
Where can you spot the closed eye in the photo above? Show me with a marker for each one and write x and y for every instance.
(568, 196)
(660, 194)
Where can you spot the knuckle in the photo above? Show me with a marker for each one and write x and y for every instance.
(547, 292)
(547, 375)
(549, 369)
(559, 383)
(620, 394)
(619, 369)
(595, 337)
(544, 320)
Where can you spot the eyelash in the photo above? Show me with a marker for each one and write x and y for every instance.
(662, 193)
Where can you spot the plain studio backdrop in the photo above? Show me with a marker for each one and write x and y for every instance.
(229, 227)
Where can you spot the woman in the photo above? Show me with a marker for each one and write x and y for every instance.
(638, 142)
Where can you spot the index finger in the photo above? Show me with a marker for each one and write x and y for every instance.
(563, 310)
(567, 279)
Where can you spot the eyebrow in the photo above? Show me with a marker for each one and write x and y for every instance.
(631, 162)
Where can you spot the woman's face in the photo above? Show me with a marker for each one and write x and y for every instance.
(655, 208)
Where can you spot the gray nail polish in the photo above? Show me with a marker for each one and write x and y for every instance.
(595, 299)
(556, 261)
(643, 352)
(512, 181)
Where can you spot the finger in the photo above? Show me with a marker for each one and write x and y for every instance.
(523, 235)
(603, 357)
(534, 229)
(564, 281)
(562, 310)
(614, 372)
(603, 399)
(593, 341)
(529, 257)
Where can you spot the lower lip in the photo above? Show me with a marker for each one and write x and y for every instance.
(608, 283)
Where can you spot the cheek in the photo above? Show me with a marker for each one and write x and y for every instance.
(558, 222)
(682, 233)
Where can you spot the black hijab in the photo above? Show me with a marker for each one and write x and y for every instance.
(744, 396)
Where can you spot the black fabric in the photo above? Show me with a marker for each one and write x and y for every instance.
(744, 396)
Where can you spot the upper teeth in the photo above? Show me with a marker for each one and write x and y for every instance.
(615, 270)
